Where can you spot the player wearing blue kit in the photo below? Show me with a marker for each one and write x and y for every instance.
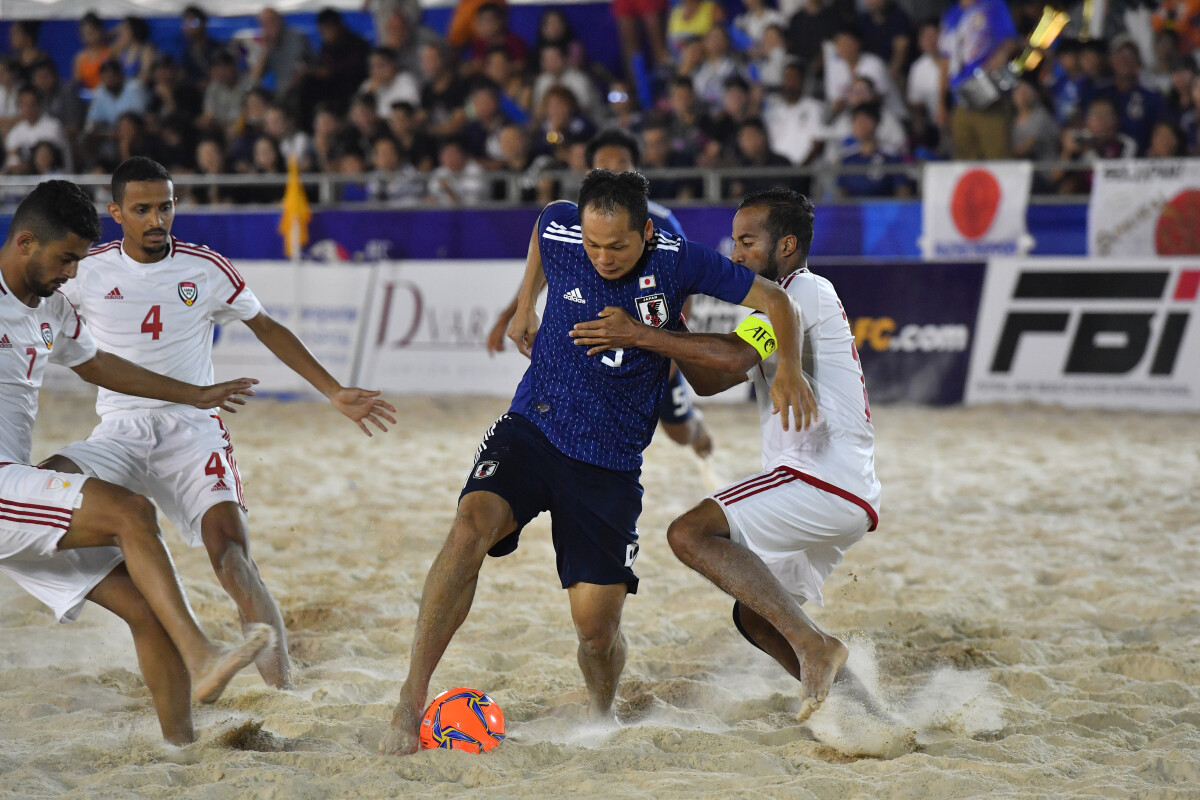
(572, 441)
(618, 151)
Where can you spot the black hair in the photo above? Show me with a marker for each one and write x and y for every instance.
(92, 20)
(53, 210)
(607, 192)
(850, 29)
(329, 16)
(789, 213)
(136, 170)
(753, 122)
(29, 26)
(388, 53)
(493, 8)
(614, 137)
(139, 29)
(405, 106)
(872, 110)
(735, 82)
(195, 11)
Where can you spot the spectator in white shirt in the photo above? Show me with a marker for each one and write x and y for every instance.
(279, 125)
(34, 126)
(773, 58)
(757, 18)
(458, 181)
(557, 71)
(846, 60)
(795, 123)
(890, 134)
(719, 66)
(387, 83)
(925, 75)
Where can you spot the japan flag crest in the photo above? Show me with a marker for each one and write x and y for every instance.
(647, 282)
(188, 292)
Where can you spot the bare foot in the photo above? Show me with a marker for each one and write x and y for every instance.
(819, 666)
(220, 668)
(404, 738)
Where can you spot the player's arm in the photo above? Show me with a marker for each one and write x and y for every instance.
(359, 405)
(116, 374)
(525, 322)
(790, 391)
(495, 338)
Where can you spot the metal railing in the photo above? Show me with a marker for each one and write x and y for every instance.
(325, 189)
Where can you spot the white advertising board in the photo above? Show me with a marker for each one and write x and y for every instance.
(1089, 333)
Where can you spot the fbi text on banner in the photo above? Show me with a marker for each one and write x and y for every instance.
(1089, 333)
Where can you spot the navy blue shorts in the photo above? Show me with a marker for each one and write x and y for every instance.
(593, 510)
(676, 407)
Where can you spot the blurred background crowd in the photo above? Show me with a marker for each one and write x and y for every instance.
(406, 115)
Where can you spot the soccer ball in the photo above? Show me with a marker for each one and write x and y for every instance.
(462, 719)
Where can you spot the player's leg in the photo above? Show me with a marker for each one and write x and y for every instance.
(60, 463)
(483, 519)
(596, 612)
(162, 666)
(110, 515)
(701, 540)
(223, 529)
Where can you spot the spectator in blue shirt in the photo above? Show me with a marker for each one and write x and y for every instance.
(1070, 86)
(862, 149)
(115, 95)
(977, 35)
(1137, 106)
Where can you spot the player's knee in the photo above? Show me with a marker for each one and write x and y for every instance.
(477, 527)
(598, 637)
(138, 519)
(683, 536)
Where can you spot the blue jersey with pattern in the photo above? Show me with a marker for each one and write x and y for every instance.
(602, 409)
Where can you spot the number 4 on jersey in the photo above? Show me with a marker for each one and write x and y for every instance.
(152, 324)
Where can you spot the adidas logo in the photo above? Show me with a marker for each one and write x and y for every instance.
(115, 294)
(220, 486)
(575, 296)
(4, 342)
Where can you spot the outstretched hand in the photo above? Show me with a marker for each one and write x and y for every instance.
(224, 395)
(614, 328)
(363, 406)
(791, 395)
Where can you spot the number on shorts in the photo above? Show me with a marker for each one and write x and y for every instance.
(32, 353)
(214, 465)
(631, 554)
(152, 324)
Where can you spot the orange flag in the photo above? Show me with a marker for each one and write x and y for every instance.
(293, 223)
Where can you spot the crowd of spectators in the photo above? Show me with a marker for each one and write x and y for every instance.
(418, 118)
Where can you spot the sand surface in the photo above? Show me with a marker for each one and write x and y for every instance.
(1029, 609)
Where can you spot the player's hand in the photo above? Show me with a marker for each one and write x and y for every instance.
(363, 406)
(495, 337)
(225, 395)
(614, 328)
(791, 394)
(523, 329)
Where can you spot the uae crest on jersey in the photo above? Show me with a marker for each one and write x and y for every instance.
(653, 309)
(188, 292)
(47, 336)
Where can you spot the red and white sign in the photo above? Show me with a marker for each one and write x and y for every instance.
(975, 210)
(1147, 207)
(1089, 333)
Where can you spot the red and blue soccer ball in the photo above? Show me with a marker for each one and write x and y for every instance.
(462, 719)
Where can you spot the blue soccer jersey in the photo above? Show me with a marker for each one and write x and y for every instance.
(602, 409)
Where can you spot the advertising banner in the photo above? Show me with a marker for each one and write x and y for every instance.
(975, 210)
(1089, 333)
(1145, 208)
(912, 325)
(426, 325)
(322, 305)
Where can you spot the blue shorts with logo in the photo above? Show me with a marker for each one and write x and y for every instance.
(676, 407)
(593, 510)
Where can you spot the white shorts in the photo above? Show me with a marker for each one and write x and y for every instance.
(182, 459)
(35, 511)
(799, 530)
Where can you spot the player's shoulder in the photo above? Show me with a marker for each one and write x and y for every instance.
(207, 258)
(663, 218)
(560, 218)
(109, 251)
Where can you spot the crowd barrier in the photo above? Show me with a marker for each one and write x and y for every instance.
(1072, 332)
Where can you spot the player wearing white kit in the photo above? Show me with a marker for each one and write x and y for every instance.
(771, 540)
(66, 538)
(154, 300)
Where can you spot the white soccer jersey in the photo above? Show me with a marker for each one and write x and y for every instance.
(839, 450)
(29, 338)
(161, 315)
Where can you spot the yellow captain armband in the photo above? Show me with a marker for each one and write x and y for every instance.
(758, 334)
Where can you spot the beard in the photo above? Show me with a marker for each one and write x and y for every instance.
(38, 282)
(771, 270)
